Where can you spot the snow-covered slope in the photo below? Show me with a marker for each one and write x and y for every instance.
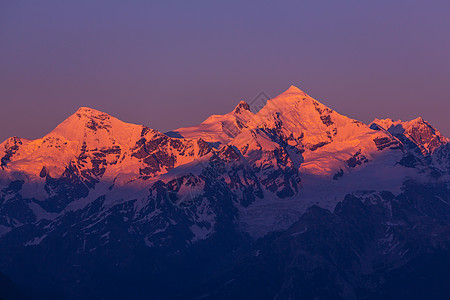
(218, 129)
(326, 139)
(110, 195)
(418, 132)
(312, 155)
(92, 139)
(91, 149)
(272, 165)
(84, 131)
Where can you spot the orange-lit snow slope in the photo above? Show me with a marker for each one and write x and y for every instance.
(293, 153)
(326, 138)
(100, 147)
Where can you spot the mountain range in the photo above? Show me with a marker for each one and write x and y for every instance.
(294, 201)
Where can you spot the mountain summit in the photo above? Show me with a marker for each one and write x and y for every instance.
(242, 195)
(294, 90)
(418, 133)
(291, 140)
(88, 123)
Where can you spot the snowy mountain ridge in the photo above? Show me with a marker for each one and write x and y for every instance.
(276, 160)
(243, 195)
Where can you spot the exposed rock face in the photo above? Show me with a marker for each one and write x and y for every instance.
(11, 146)
(270, 192)
(357, 159)
(416, 133)
(372, 245)
(242, 106)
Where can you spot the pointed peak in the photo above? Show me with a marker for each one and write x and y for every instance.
(85, 118)
(91, 124)
(242, 106)
(89, 115)
(294, 90)
(418, 120)
(87, 111)
(294, 94)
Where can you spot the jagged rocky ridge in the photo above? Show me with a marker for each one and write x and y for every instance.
(96, 190)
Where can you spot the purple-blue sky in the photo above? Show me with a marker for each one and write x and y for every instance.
(167, 64)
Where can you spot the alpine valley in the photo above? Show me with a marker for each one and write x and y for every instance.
(294, 201)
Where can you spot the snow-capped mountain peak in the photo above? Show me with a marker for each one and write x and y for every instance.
(88, 123)
(218, 129)
(416, 132)
(294, 90)
(89, 111)
(96, 145)
(96, 189)
(242, 106)
(284, 150)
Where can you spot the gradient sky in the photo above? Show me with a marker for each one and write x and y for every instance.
(167, 64)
